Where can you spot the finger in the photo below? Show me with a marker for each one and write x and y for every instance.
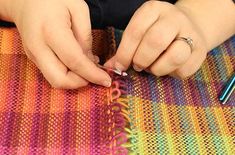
(92, 57)
(110, 63)
(81, 24)
(133, 35)
(154, 43)
(56, 72)
(66, 47)
(175, 56)
(96, 59)
(191, 66)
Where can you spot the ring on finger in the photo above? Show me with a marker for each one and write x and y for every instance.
(187, 40)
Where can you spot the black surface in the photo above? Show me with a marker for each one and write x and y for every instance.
(6, 24)
(116, 13)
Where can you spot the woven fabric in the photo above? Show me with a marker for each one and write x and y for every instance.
(139, 114)
(37, 119)
(170, 116)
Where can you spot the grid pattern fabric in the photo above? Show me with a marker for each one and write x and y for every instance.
(140, 114)
(37, 119)
(170, 116)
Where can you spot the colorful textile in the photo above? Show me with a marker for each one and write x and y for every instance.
(37, 119)
(170, 116)
(139, 114)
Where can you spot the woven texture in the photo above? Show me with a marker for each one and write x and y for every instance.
(169, 116)
(139, 114)
(37, 119)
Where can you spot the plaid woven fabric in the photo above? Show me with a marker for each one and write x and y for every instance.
(170, 116)
(139, 114)
(37, 119)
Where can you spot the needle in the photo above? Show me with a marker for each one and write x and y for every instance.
(113, 70)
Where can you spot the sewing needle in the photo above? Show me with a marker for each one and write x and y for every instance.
(116, 71)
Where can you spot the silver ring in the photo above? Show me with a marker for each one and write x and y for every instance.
(188, 40)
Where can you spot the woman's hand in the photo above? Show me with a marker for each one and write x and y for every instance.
(57, 37)
(150, 42)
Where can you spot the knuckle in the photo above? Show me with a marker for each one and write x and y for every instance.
(85, 6)
(179, 15)
(157, 40)
(150, 4)
(133, 33)
(140, 62)
(178, 59)
(74, 64)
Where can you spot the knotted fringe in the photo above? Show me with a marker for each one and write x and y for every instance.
(118, 103)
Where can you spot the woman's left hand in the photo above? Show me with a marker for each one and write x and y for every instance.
(151, 42)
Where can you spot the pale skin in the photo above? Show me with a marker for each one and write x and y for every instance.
(58, 39)
(56, 35)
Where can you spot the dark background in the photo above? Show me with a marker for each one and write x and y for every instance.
(116, 13)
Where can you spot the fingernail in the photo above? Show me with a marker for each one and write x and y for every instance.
(119, 66)
(107, 83)
(136, 68)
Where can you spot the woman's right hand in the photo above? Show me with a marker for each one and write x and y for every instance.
(56, 35)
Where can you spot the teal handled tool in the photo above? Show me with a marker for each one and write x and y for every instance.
(228, 90)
